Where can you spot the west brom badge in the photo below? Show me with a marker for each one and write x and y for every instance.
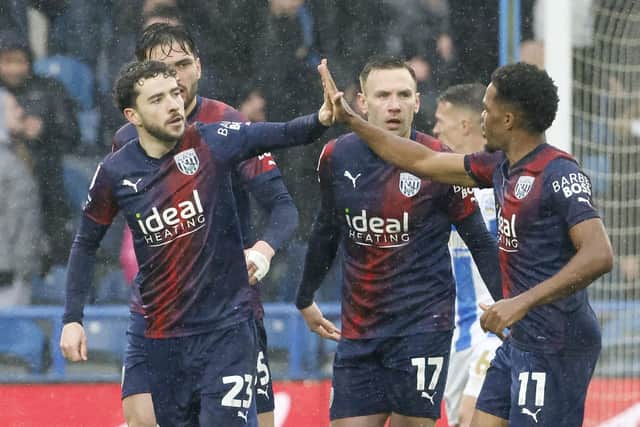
(523, 186)
(409, 184)
(187, 161)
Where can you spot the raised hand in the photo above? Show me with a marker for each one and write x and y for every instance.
(325, 114)
(341, 111)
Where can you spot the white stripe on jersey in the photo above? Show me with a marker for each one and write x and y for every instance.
(468, 295)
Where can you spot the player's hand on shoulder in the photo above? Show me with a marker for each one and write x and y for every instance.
(317, 323)
(73, 342)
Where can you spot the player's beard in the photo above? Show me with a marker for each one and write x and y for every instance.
(160, 134)
(489, 148)
(190, 94)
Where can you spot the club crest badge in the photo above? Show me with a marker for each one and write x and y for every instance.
(409, 184)
(187, 161)
(523, 186)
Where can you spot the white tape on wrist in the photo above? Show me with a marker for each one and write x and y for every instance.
(260, 261)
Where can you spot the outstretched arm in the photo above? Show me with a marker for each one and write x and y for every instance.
(401, 152)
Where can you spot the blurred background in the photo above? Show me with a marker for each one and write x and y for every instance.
(59, 58)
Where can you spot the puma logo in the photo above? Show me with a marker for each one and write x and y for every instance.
(533, 415)
(429, 397)
(264, 392)
(243, 415)
(351, 177)
(583, 200)
(128, 183)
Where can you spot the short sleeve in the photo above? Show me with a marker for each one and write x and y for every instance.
(570, 190)
(481, 165)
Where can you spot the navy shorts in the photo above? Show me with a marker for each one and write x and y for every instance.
(537, 389)
(405, 375)
(264, 383)
(135, 374)
(205, 379)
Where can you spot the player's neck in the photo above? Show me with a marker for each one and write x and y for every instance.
(154, 147)
(188, 109)
(473, 144)
(521, 144)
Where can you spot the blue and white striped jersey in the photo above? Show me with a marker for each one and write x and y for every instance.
(470, 288)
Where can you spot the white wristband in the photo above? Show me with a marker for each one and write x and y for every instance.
(260, 261)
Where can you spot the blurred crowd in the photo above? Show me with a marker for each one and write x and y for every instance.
(58, 59)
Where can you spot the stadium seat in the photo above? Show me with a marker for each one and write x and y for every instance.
(287, 331)
(23, 339)
(76, 184)
(51, 288)
(106, 339)
(75, 75)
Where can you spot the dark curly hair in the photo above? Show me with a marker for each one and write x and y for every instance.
(163, 35)
(531, 91)
(125, 91)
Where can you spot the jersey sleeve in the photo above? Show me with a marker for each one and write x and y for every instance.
(101, 206)
(324, 238)
(235, 141)
(461, 203)
(570, 190)
(481, 165)
(257, 170)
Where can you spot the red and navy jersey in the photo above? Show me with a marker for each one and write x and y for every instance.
(394, 230)
(182, 213)
(248, 174)
(538, 200)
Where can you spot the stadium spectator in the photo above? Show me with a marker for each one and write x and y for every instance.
(20, 214)
(259, 176)
(474, 32)
(198, 309)
(398, 291)
(552, 246)
(429, 51)
(50, 132)
(458, 124)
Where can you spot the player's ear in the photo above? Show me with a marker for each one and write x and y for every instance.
(465, 124)
(417, 95)
(132, 116)
(362, 103)
(198, 67)
(509, 120)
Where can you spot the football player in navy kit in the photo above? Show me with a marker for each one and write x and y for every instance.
(175, 46)
(551, 240)
(398, 290)
(201, 346)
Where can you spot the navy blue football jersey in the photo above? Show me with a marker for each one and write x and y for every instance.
(394, 230)
(538, 200)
